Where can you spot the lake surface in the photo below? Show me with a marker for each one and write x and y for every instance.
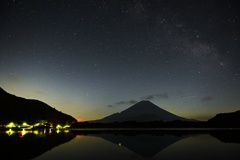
(120, 144)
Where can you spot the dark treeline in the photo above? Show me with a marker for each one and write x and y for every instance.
(156, 124)
(134, 124)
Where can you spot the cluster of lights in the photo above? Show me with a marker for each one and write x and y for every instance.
(25, 126)
(13, 125)
(24, 132)
(62, 127)
(39, 133)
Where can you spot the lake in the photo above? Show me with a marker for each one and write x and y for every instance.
(121, 144)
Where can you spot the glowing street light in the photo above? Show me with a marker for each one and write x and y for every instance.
(10, 125)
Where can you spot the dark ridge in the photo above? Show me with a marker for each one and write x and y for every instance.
(17, 109)
(230, 119)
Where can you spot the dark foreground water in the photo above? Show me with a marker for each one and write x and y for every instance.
(120, 144)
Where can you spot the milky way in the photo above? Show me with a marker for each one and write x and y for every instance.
(91, 58)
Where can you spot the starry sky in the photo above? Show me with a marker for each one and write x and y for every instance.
(92, 58)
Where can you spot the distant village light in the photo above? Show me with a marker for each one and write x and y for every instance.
(66, 126)
(11, 125)
(25, 124)
(59, 127)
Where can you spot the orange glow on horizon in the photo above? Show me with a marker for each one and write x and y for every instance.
(80, 120)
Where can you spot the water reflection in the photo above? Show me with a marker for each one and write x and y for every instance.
(28, 144)
(227, 136)
(145, 145)
(46, 144)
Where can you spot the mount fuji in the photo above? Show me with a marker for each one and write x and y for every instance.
(143, 111)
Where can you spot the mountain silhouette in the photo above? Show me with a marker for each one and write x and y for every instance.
(143, 111)
(230, 119)
(18, 109)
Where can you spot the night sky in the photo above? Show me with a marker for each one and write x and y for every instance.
(92, 58)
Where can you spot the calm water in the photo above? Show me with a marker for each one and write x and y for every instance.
(90, 145)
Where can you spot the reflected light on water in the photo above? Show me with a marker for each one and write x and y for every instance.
(10, 132)
(39, 133)
(23, 132)
(36, 132)
(58, 131)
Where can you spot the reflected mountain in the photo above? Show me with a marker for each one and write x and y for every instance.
(144, 143)
(27, 144)
(227, 136)
(30, 144)
(148, 143)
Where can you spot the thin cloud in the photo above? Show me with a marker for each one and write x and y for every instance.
(155, 96)
(14, 78)
(129, 102)
(163, 96)
(187, 97)
(40, 92)
(132, 101)
(110, 106)
(207, 99)
(120, 103)
(126, 102)
(147, 97)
